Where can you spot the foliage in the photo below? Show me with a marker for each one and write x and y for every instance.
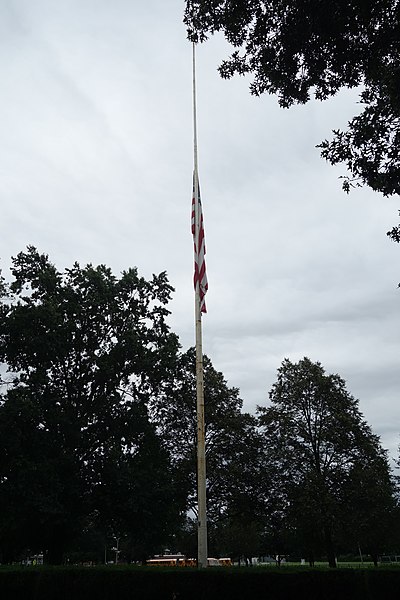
(371, 519)
(98, 436)
(326, 457)
(295, 48)
(84, 351)
(394, 234)
(231, 439)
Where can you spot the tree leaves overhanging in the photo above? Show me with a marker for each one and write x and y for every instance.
(302, 48)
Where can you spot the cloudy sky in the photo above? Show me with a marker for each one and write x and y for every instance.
(96, 166)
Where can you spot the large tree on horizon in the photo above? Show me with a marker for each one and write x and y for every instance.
(84, 351)
(332, 468)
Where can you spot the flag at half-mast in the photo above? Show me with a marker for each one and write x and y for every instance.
(200, 274)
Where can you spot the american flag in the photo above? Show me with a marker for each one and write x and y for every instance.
(200, 275)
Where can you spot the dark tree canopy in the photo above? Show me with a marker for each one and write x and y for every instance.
(236, 473)
(84, 350)
(98, 435)
(326, 457)
(299, 48)
(231, 440)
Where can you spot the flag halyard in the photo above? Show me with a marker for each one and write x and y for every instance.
(200, 274)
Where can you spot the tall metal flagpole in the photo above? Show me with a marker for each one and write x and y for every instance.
(201, 449)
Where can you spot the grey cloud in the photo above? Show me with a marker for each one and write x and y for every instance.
(95, 166)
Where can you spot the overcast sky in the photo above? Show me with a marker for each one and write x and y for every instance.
(96, 166)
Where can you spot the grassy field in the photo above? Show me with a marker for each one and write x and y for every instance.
(324, 565)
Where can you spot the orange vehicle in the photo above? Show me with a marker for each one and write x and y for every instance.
(225, 562)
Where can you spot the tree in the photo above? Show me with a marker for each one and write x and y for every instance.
(232, 443)
(394, 234)
(295, 48)
(322, 448)
(84, 351)
(239, 539)
(370, 492)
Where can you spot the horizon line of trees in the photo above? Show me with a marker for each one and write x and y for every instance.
(98, 436)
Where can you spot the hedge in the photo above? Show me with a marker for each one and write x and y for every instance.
(144, 583)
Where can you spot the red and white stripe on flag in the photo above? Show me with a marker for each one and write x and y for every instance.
(200, 275)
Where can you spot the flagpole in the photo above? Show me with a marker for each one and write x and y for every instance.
(201, 449)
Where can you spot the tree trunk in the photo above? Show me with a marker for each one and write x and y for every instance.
(54, 555)
(330, 550)
(57, 542)
(374, 557)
